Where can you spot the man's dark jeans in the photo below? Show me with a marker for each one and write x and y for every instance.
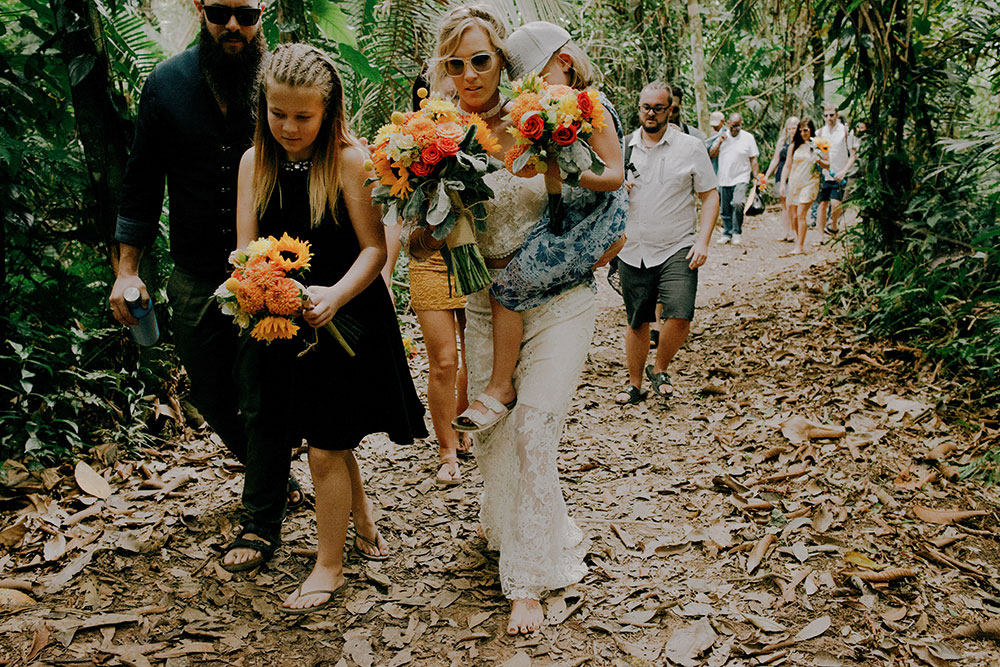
(222, 382)
(733, 198)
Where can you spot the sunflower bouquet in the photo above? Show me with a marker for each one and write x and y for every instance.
(263, 293)
(553, 121)
(429, 167)
(822, 143)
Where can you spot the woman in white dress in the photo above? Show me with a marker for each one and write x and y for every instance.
(523, 512)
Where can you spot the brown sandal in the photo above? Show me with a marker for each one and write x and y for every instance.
(455, 478)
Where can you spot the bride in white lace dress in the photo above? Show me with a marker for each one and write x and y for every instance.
(523, 511)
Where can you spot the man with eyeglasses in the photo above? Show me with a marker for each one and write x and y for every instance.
(194, 123)
(665, 239)
(842, 156)
(737, 153)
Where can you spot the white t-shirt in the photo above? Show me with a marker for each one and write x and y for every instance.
(837, 136)
(662, 214)
(734, 158)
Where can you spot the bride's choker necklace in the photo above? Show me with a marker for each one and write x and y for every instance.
(489, 113)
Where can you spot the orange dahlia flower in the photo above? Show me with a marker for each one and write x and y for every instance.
(423, 130)
(283, 298)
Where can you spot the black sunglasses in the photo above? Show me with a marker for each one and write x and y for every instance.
(220, 14)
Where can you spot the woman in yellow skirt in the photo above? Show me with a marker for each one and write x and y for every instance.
(442, 319)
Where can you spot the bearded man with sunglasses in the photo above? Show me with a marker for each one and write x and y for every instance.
(195, 121)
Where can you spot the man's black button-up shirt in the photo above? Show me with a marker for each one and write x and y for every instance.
(183, 138)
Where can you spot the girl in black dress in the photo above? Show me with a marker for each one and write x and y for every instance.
(305, 175)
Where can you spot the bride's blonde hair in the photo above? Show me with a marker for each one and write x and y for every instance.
(453, 25)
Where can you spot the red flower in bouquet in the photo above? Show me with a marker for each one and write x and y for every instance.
(421, 169)
(431, 155)
(564, 135)
(533, 127)
(447, 146)
(585, 103)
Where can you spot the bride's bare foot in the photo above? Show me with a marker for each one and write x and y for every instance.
(526, 616)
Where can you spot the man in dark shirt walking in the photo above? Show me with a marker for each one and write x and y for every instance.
(195, 121)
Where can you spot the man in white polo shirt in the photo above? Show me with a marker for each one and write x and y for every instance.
(665, 240)
(737, 153)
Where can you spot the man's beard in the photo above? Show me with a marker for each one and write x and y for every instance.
(653, 130)
(231, 76)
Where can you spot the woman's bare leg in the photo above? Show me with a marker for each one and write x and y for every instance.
(438, 327)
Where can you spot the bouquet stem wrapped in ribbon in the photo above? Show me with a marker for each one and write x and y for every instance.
(430, 166)
(263, 295)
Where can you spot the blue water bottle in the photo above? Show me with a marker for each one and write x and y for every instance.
(147, 332)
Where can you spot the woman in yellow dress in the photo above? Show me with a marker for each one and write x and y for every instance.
(801, 178)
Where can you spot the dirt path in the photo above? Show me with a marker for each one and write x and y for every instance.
(716, 538)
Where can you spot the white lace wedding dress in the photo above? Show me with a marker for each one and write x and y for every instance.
(523, 510)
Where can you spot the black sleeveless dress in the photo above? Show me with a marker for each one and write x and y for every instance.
(330, 399)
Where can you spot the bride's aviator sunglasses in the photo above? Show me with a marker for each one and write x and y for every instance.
(482, 62)
(220, 14)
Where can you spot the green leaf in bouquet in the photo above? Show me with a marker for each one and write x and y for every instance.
(522, 160)
(596, 163)
(471, 161)
(470, 136)
(440, 206)
(380, 192)
(413, 205)
(581, 153)
(442, 230)
(390, 215)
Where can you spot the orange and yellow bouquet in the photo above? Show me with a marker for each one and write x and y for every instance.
(822, 143)
(263, 295)
(554, 121)
(429, 167)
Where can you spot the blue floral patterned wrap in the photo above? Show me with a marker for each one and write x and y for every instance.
(548, 264)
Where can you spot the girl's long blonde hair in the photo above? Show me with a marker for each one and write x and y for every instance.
(453, 25)
(301, 65)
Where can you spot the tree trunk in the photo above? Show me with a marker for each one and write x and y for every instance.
(103, 133)
(292, 22)
(698, 64)
(818, 48)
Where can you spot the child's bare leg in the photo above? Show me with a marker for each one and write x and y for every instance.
(508, 328)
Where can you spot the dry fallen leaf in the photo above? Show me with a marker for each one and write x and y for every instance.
(91, 482)
(11, 600)
(760, 551)
(686, 644)
(765, 624)
(985, 630)
(814, 629)
(945, 516)
(798, 429)
(885, 576)
(519, 659)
